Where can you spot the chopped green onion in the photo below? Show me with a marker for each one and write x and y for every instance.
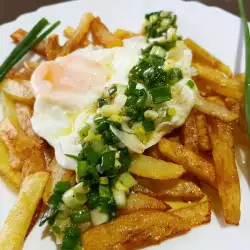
(83, 132)
(98, 217)
(91, 155)
(71, 239)
(131, 87)
(131, 101)
(190, 84)
(148, 125)
(27, 44)
(80, 216)
(107, 161)
(104, 191)
(62, 186)
(161, 94)
(112, 90)
(75, 157)
(153, 18)
(82, 169)
(120, 198)
(174, 75)
(119, 186)
(72, 199)
(158, 51)
(127, 180)
(104, 180)
(101, 102)
(247, 80)
(98, 119)
(171, 111)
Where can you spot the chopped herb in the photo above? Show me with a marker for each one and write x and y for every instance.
(72, 239)
(112, 90)
(161, 94)
(101, 102)
(148, 125)
(190, 84)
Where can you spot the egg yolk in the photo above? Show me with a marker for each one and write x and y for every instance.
(72, 73)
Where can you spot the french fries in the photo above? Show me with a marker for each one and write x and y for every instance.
(52, 47)
(145, 228)
(226, 171)
(201, 55)
(149, 167)
(16, 226)
(20, 34)
(69, 31)
(219, 83)
(181, 189)
(204, 143)
(18, 90)
(215, 110)
(78, 35)
(136, 202)
(102, 36)
(124, 34)
(194, 164)
(189, 132)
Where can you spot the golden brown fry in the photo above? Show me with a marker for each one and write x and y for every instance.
(19, 90)
(16, 141)
(145, 228)
(78, 35)
(204, 88)
(69, 31)
(30, 65)
(226, 172)
(220, 84)
(20, 34)
(189, 132)
(52, 47)
(201, 55)
(10, 175)
(15, 227)
(202, 131)
(211, 108)
(154, 152)
(161, 170)
(233, 105)
(194, 164)
(19, 74)
(57, 174)
(102, 36)
(124, 34)
(182, 189)
(136, 202)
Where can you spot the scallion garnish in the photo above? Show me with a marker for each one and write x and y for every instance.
(247, 80)
(26, 45)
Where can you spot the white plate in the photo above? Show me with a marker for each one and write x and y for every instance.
(215, 30)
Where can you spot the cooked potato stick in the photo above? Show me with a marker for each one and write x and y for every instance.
(226, 172)
(201, 55)
(52, 47)
(150, 167)
(19, 74)
(124, 34)
(19, 90)
(30, 65)
(204, 88)
(194, 164)
(189, 132)
(10, 175)
(20, 34)
(78, 35)
(182, 189)
(15, 227)
(233, 105)
(136, 202)
(220, 84)
(213, 109)
(102, 36)
(145, 228)
(57, 174)
(202, 131)
(16, 141)
(154, 152)
(69, 31)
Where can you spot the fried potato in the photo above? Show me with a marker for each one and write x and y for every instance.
(154, 152)
(78, 35)
(20, 34)
(193, 163)
(204, 143)
(18, 144)
(189, 132)
(18, 90)
(220, 84)
(19, 74)
(57, 174)
(124, 34)
(233, 105)
(201, 55)
(102, 36)
(69, 31)
(226, 172)
(213, 109)
(182, 189)
(15, 227)
(9, 175)
(53, 47)
(139, 201)
(145, 228)
(204, 89)
(150, 167)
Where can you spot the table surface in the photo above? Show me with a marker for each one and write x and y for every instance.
(10, 9)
